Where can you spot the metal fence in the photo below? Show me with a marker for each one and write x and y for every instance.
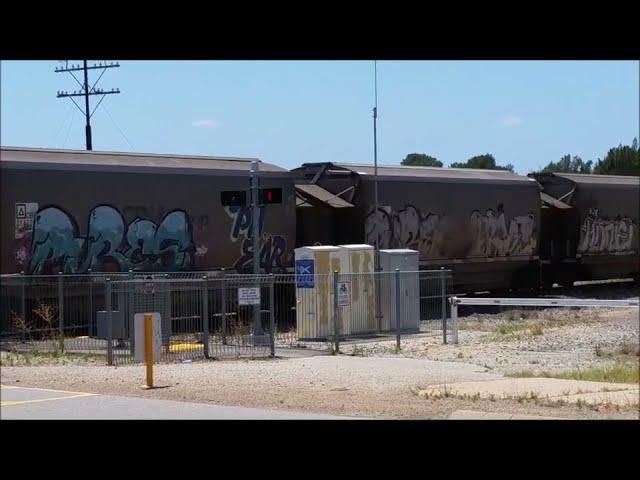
(203, 315)
(532, 302)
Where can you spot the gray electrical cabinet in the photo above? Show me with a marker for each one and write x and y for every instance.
(408, 262)
(117, 322)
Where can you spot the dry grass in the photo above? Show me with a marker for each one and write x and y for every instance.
(621, 372)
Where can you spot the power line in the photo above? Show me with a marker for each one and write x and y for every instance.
(64, 122)
(73, 116)
(118, 127)
(85, 91)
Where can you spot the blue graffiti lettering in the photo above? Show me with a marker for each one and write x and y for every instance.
(110, 245)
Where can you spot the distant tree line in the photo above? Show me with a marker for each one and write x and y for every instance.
(620, 160)
(485, 161)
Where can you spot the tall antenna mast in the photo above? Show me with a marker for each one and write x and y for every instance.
(87, 91)
(376, 262)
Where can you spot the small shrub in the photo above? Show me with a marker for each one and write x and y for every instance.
(537, 329)
(629, 348)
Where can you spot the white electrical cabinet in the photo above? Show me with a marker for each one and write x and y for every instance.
(357, 267)
(408, 263)
(314, 290)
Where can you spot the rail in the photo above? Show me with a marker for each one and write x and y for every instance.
(532, 302)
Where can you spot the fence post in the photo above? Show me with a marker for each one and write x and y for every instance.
(61, 309)
(454, 319)
(443, 293)
(23, 305)
(398, 315)
(107, 293)
(90, 329)
(205, 316)
(223, 312)
(131, 288)
(272, 322)
(336, 312)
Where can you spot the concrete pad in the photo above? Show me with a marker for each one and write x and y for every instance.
(621, 397)
(478, 415)
(570, 391)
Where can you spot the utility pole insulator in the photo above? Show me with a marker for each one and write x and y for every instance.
(86, 92)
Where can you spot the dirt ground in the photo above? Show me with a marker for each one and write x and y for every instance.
(515, 340)
(368, 387)
(370, 379)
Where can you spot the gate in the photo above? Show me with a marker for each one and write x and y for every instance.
(242, 319)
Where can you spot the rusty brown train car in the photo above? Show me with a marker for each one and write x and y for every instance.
(590, 227)
(74, 211)
(484, 225)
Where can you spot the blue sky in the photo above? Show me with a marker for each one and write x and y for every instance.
(288, 112)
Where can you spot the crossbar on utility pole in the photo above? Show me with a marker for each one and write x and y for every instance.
(87, 91)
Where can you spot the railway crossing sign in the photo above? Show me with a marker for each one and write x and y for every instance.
(344, 294)
(305, 273)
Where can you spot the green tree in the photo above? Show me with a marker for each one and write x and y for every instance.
(568, 165)
(620, 160)
(421, 160)
(485, 161)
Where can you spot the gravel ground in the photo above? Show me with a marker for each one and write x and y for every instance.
(369, 387)
(374, 381)
(547, 340)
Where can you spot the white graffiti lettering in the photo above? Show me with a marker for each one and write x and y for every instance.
(435, 236)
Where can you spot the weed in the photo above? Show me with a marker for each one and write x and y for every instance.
(331, 346)
(23, 326)
(537, 329)
(621, 372)
(357, 351)
(599, 351)
(460, 355)
(629, 348)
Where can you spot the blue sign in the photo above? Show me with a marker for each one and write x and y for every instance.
(304, 274)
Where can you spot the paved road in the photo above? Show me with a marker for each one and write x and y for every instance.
(21, 403)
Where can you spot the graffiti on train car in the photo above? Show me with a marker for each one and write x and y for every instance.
(272, 247)
(600, 234)
(110, 243)
(487, 234)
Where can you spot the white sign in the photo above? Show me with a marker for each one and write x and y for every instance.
(25, 213)
(147, 286)
(138, 320)
(344, 294)
(249, 296)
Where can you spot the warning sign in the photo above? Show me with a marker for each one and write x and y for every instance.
(21, 210)
(344, 294)
(249, 296)
(25, 214)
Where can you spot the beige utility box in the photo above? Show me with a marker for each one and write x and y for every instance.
(314, 290)
(357, 267)
(407, 261)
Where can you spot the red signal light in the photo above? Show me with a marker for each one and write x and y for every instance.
(270, 195)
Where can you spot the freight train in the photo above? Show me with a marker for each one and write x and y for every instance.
(81, 211)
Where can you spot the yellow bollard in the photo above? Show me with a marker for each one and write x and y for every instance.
(148, 348)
